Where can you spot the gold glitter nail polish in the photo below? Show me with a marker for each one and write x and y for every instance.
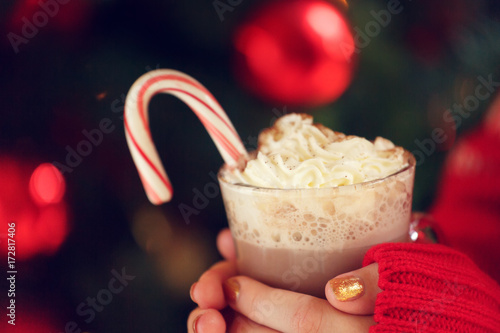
(347, 288)
(231, 290)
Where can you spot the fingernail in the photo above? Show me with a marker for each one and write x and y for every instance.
(191, 292)
(347, 288)
(231, 290)
(195, 323)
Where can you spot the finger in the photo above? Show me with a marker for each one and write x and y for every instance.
(241, 324)
(213, 321)
(225, 244)
(354, 292)
(207, 292)
(287, 311)
(206, 321)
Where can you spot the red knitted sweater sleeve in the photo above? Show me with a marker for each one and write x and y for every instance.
(432, 288)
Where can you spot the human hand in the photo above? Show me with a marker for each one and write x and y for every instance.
(207, 292)
(260, 308)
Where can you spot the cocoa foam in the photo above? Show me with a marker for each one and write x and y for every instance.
(338, 217)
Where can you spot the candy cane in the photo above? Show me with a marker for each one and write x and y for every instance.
(199, 99)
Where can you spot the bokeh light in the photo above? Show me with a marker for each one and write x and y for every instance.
(30, 318)
(47, 185)
(33, 199)
(179, 254)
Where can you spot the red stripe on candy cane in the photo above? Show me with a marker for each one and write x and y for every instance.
(152, 195)
(164, 180)
(233, 152)
(229, 147)
(229, 126)
(171, 77)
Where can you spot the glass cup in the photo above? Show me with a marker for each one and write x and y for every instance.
(298, 239)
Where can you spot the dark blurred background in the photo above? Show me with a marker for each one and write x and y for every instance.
(92, 254)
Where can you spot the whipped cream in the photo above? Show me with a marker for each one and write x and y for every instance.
(296, 153)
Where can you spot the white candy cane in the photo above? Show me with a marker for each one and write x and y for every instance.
(199, 99)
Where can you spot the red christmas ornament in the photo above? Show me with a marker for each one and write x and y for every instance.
(32, 207)
(296, 52)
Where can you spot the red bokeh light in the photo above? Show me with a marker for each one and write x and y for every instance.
(47, 185)
(30, 317)
(296, 52)
(32, 198)
(68, 17)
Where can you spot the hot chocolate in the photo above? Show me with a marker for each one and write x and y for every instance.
(298, 222)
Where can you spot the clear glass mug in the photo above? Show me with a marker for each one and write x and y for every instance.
(298, 239)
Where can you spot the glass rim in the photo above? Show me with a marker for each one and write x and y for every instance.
(407, 155)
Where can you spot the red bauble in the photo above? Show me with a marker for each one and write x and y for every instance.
(296, 52)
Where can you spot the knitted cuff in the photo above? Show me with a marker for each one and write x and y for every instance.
(432, 288)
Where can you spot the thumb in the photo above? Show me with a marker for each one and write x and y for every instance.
(354, 292)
